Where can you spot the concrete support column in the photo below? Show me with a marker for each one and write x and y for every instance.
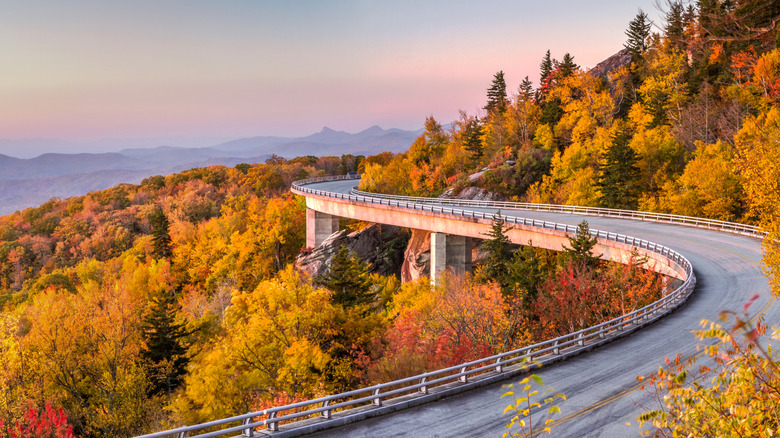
(449, 251)
(459, 253)
(438, 255)
(319, 226)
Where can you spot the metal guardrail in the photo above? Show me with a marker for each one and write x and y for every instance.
(589, 211)
(496, 364)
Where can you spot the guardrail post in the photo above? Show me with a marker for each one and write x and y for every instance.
(249, 431)
(499, 367)
(556, 350)
(464, 378)
(326, 414)
(272, 426)
(423, 389)
(182, 434)
(580, 340)
(377, 401)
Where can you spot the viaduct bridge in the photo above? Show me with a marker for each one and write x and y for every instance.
(720, 259)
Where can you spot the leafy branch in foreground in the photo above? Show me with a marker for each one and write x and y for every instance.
(736, 394)
(526, 401)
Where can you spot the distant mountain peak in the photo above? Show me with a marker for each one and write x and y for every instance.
(372, 130)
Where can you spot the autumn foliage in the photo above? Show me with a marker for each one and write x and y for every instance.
(689, 126)
(46, 423)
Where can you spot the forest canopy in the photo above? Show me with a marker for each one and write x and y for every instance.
(143, 307)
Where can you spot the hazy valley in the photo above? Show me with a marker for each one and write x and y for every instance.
(33, 181)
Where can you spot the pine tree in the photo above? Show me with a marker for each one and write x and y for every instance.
(348, 279)
(164, 351)
(689, 18)
(545, 69)
(496, 94)
(638, 31)
(525, 92)
(496, 246)
(581, 250)
(552, 112)
(567, 66)
(161, 239)
(525, 273)
(472, 139)
(674, 31)
(619, 176)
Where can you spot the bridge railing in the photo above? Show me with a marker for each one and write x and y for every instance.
(502, 363)
(589, 211)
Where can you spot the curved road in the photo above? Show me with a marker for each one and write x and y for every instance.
(601, 386)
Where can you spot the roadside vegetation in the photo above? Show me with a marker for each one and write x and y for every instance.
(143, 307)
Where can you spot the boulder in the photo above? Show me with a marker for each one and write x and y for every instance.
(614, 62)
(378, 244)
(417, 257)
(477, 194)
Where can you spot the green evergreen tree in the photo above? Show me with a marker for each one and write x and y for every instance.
(496, 246)
(674, 30)
(161, 239)
(163, 349)
(545, 69)
(656, 106)
(472, 139)
(689, 18)
(496, 94)
(552, 112)
(581, 250)
(525, 92)
(525, 273)
(618, 179)
(567, 66)
(638, 31)
(348, 279)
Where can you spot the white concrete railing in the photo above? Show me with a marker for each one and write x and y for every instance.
(434, 384)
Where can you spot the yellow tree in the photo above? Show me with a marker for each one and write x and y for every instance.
(16, 384)
(708, 187)
(758, 146)
(664, 90)
(85, 348)
(572, 178)
(587, 105)
(661, 161)
(279, 340)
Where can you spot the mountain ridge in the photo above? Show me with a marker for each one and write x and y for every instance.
(27, 182)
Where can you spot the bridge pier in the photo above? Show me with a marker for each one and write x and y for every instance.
(319, 226)
(449, 251)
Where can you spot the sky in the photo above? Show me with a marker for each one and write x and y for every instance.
(84, 71)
